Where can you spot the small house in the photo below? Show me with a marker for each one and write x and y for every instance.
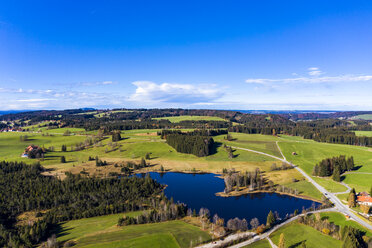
(364, 199)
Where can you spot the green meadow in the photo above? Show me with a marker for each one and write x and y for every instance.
(310, 152)
(175, 119)
(340, 220)
(102, 232)
(366, 117)
(363, 133)
(259, 244)
(295, 234)
(258, 142)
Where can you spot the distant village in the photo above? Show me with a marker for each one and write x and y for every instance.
(11, 129)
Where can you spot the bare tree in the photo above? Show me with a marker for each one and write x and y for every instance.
(254, 223)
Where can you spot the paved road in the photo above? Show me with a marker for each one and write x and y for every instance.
(338, 204)
(267, 234)
(226, 240)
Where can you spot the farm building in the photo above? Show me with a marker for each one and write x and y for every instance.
(364, 198)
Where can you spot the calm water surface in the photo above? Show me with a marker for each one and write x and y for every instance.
(198, 190)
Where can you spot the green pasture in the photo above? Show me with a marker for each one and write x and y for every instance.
(175, 119)
(340, 220)
(134, 145)
(103, 232)
(363, 133)
(366, 117)
(258, 142)
(259, 244)
(75, 229)
(295, 234)
(305, 188)
(310, 152)
(361, 182)
(11, 147)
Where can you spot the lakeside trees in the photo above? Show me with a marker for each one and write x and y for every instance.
(252, 180)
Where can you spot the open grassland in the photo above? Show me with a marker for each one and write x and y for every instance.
(103, 232)
(366, 117)
(259, 244)
(76, 229)
(361, 182)
(305, 188)
(11, 147)
(363, 133)
(175, 119)
(134, 145)
(295, 234)
(340, 220)
(310, 152)
(258, 142)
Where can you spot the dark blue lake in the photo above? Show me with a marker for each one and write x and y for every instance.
(198, 190)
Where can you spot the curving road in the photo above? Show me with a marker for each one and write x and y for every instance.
(338, 204)
(267, 234)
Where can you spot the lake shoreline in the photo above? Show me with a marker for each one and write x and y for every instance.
(246, 192)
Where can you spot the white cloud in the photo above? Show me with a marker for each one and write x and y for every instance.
(97, 83)
(313, 78)
(172, 92)
(314, 71)
(35, 100)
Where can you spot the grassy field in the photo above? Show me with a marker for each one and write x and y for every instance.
(175, 119)
(258, 142)
(295, 233)
(339, 219)
(310, 152)
(361, 182)
(366, 117)
(103, 232)
(259, 244)
(363, 133)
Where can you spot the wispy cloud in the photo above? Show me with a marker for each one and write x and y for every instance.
(35, 100)
(173, 92)
(96, 83)
(314, 71)
(313, 78)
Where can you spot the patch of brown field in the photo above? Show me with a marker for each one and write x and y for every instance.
(369, 149)
(284, 176)
(147, 134)
(28, 218)
(206, 166)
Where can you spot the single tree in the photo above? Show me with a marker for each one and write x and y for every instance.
(254, 223)
(352, 198)
(336, 174)
(143, 163)
(270, 219)
(63, 159)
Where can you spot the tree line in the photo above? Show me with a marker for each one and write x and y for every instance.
(197, 145)
(334, 167)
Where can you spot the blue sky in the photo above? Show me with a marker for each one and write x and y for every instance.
(287, 55)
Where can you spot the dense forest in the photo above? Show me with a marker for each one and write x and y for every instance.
(334, 166)
(23, 188)
(192, 144)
